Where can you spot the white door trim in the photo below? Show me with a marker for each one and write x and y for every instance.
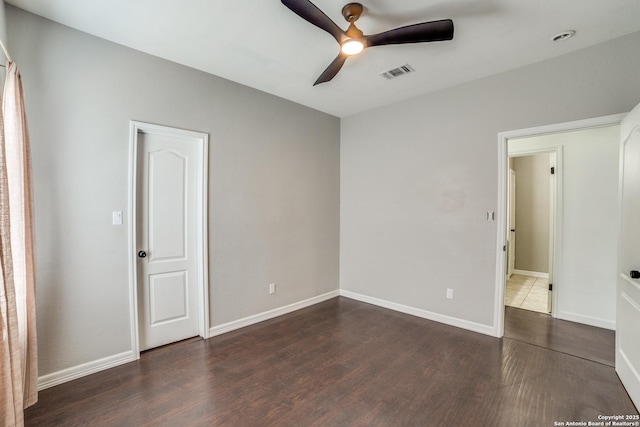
(503, 169)
(201, 225)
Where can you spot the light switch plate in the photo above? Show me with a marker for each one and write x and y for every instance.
(117, 217)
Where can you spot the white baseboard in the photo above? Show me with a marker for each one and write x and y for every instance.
(448, 320)
(92, 367)
(261, 317)
(84, 369)
(75, 372)
(532, 273)
(587, 320)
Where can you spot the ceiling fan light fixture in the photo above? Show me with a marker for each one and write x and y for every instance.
(352, 47)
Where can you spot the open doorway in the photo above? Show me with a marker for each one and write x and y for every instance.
(582, 268)
(530, 219)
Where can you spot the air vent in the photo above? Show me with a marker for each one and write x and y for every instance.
(397, 72)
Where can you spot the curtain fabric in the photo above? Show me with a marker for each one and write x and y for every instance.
(18, 354)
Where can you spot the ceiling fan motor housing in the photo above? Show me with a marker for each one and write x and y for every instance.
(352, 11)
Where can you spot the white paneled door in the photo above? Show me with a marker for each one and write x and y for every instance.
(628, 292)
(167, 238)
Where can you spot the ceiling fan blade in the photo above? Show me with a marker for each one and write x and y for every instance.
(310, 12)
(425, 32)
(332, 69)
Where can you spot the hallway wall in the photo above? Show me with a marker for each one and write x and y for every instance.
(532, 212)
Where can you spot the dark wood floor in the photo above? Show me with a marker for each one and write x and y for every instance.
(588, 342)
(341, 363)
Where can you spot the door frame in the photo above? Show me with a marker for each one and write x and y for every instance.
(503, 170)
(555, 211)
(202, 141)
(509, 215)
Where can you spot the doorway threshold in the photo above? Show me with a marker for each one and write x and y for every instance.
(584, 341)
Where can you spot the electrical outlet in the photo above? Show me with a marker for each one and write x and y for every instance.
(272, 288)
(449, 293)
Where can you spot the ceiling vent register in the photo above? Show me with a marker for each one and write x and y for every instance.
(397, 72)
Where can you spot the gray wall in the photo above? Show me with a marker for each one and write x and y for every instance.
(417, 177)
(274, 185)
(532, 212)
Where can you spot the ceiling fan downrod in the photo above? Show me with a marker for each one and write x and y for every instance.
(352, 12)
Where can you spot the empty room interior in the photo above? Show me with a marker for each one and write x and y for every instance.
(226, 234)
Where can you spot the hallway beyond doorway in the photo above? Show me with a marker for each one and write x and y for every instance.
(527, 292)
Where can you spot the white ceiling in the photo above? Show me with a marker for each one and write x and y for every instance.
(264, 45)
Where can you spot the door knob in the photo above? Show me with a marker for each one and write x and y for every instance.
(142, 254)
(635, 274)
(513, 230)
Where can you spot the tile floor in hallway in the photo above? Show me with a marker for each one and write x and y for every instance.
(527, 292)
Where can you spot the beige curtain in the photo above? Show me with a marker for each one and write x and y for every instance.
(18, 355)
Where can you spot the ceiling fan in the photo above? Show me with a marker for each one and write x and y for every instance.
(353, 41)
